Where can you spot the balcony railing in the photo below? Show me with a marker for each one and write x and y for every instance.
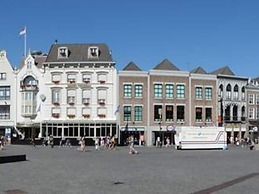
(55, 81)
(86, 116)
(56, 103)
(55, 115)
(101, 101)
(29, 87)
(101, 115)
(71, 116)
(234, 119)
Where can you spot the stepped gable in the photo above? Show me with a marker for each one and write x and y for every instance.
(132, 67)
(166, 65)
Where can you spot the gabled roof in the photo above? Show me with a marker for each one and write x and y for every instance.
(39, 60)
(79, 53)
(166, 65)
(132, 67)
(199, 70)
(223, 71)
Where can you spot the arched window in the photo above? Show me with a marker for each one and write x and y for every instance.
(236, 88)
(221, 90)
(235, 113)
(228, 89)
(243, 92)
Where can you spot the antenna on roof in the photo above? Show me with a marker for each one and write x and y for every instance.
(56, 41)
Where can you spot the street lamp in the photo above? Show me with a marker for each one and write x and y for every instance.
(160, 128)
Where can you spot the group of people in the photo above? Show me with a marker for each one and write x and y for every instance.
(159, 142)
(99, 142)
(48, 141)
(244, 142)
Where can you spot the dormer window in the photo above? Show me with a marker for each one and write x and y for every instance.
(62, 52)
(93, 52)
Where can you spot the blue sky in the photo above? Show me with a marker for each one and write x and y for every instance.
(189, 33)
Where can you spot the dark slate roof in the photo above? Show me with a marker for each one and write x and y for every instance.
(199, 70)
(132, 67)
(166, 65)
(79, 53)
(223, 71)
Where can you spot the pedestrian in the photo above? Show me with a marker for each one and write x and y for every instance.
(51, 141)
(252, 145)
(131, 145)
(96, 143)
(2, 143)
(167, 142)
(82, 144)
(33, 141)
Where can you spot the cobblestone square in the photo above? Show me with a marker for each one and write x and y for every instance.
(153, 170)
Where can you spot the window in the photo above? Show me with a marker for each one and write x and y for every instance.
(243, 93)
(56, 78)
(257, 98)
(208, 114)
(86, 78)
(251, 113)
(158, 113)
(169, 90)
(2, 76)
(221, 91)
(71, 78)
(208, 93)
(55, 112)
(180, 91)
(5, 93)
(93, 52)
(180, 113)
(86, 112)
(102, 95)
(62, 52)
(102, 78)
(138, 113)
(158, 92)
(198, 93)
(127, 113)
(86, 96)
(228, 89)
(257, 113)
(101, 112)
(71, 112)
(4, 112)
(198, 114)
(251, 99)
(71, 97)
(56, 96)
(235, 96)
(169, 113)
(138, 91)
(127, 90)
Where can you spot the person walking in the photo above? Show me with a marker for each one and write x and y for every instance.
(33, 142)
(167, 142)
(131, 145)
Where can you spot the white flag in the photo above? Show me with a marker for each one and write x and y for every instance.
(23, 31)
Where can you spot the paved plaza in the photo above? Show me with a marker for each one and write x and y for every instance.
(153, 170)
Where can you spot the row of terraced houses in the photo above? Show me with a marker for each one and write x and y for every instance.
(75, 90)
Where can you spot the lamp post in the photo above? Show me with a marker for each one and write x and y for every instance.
(160, 128)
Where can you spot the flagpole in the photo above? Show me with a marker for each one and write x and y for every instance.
(25, 37)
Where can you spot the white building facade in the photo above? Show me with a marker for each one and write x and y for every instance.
(79, 98)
